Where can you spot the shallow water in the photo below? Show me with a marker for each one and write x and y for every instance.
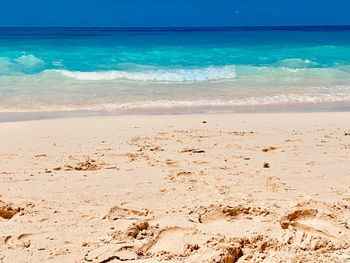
(173, 69)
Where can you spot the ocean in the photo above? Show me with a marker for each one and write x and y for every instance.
(174, 70)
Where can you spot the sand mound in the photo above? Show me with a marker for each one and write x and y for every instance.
(87, 165)
(7, 211)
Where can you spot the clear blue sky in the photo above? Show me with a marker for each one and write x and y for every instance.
(173, 13)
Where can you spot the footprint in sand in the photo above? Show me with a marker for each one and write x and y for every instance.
(171, 241)
(115, 250)
(124, 246)
(214, 212)
(117, 212)
(21, 241)
(231, 221)
(321, 222)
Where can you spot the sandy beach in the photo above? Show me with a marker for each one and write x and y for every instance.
(271, 187)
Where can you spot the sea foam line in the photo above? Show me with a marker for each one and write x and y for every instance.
(210, 104)
(168, 75)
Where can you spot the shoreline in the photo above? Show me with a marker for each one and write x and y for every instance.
(252, 187)
(262, 109)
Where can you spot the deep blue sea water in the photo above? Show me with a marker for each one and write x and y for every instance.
(123, 70)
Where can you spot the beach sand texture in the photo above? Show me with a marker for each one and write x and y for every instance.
(179, 188)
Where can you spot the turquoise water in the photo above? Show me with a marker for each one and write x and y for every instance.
(173, 69)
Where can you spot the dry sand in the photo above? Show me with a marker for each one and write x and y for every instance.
(186, 188)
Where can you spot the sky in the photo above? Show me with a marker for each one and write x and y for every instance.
(173, 12)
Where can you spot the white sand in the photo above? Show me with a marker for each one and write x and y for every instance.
(157, 188)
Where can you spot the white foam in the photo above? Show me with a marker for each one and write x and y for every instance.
(178, 105)
(29, 61)
(295, 63)
(166, 75)
(207, 103)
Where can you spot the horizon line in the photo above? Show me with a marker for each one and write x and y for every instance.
(241, 26)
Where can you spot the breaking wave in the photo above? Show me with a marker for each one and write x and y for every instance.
(167, 75)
